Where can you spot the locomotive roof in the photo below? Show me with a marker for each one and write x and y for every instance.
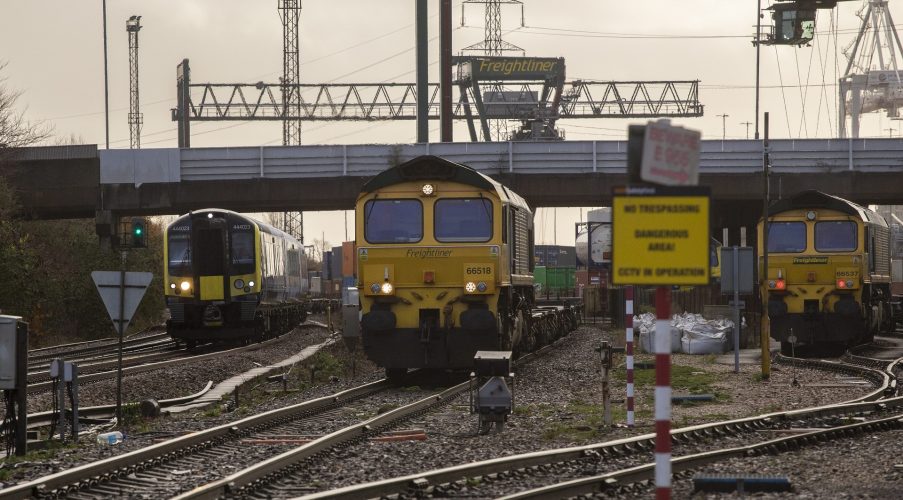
(817, 199)
(429, 167)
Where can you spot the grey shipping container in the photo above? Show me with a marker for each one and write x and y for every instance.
(327, 264)
(554, 256)
(335, 266)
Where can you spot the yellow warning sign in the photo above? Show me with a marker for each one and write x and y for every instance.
(660, 236)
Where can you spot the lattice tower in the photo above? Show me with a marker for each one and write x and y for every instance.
(493, 45)
(136, 118)
(290, 14)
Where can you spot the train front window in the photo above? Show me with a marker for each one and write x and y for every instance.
(835, 236)
(393, 221)
(463, 220)
(786, 237)
(179, 254)
(242, 252)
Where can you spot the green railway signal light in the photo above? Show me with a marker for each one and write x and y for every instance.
(139, 232)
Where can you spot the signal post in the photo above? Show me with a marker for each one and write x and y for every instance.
(660, 236)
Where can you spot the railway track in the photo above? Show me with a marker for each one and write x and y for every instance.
(616, 462)
(39, 382)
(141, 470)
(168, 350)
(272, 476)
(635, 479)
(159, 470)
(94, 348)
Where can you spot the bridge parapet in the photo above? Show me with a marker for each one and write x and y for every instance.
(75, 181)
(496, 158)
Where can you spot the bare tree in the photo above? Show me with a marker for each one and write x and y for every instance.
(15, 130)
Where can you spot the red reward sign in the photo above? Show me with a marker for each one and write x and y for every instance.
(670, 155)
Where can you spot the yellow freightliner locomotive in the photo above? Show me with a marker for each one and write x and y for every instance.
(828, 279)
(227, 276)
(445, 257)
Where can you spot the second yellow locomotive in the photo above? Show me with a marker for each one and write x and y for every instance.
(444, 266)
(828, 277)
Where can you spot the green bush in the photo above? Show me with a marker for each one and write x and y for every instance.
(46, 268)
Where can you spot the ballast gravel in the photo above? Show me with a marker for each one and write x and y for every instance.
(557, 404)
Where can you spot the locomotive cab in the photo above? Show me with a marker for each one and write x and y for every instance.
(827, 281)
(227, 276)
(444, 265)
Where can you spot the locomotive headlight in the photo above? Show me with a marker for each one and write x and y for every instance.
(239, 283)
(428, 189)
(374, 288)
(172, 285)
(470, 287)
(251, 283)
(810, 215)
(185, 286)
(481, 287)
(387, 288)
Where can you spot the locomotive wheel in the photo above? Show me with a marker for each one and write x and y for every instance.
(517, 330)
(503, 326)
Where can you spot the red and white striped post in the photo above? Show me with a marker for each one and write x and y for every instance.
(663, 393)
(628, 322)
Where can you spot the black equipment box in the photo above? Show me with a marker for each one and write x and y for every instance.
(492, 363)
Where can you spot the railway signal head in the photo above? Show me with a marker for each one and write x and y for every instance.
(139, 232)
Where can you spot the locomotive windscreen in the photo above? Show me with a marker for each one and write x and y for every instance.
(789, 237)
(463, 220)
(210, 251)
(835, 236)
(393, 221)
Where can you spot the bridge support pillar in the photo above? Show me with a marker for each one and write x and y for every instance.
(105, 228)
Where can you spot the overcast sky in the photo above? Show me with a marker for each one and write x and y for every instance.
(54, 52)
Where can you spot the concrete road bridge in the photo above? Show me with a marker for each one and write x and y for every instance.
(82, 181)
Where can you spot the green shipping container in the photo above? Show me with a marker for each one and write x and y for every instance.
(560, 279)
(539, 278)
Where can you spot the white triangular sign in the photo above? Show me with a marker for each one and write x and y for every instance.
(108, 285)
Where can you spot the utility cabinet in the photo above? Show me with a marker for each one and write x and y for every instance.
(10, 328)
